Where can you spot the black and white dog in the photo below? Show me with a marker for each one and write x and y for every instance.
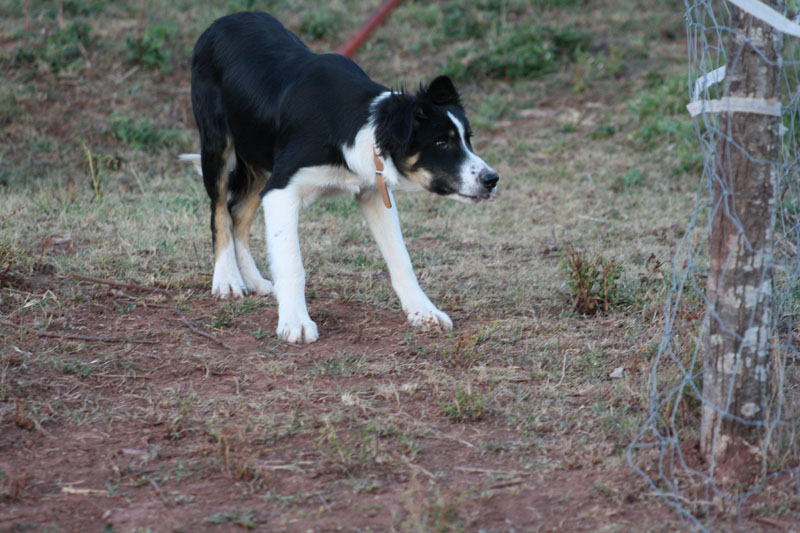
(280, 125)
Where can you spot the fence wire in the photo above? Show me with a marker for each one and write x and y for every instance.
(665, 450)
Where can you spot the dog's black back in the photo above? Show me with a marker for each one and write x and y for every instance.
(247, 71)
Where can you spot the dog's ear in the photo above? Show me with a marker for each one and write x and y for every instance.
(394, 123)
(441, 91)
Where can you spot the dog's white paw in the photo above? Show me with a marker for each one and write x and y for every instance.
(227, 279)
(257, 285)
(429, 318)
(228, 288)
(297, 332)
(253, 281)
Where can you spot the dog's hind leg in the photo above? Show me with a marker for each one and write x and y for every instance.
(385, 227)
(246, 184)
(227, 279)
(216, 148)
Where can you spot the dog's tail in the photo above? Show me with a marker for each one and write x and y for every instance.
(194, 159)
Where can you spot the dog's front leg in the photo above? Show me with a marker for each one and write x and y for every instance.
(281, 214)
(385, 227)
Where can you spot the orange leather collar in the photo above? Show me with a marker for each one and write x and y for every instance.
(379, 178)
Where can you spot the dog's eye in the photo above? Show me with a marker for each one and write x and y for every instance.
(441, 143)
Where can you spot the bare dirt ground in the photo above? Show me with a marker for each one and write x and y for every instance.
(133, 460)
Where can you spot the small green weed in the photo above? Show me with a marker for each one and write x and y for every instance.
(593, 282)
(630, 180)
(152, 49)
(321, 23)
(353, 452)
(603, 132)
(96, 165)
(224, 317)
(465, 406)
(465, 352)
(337, 365)
(235, 458)
(177, 424)
(76, 366)
(592, 67)
(245, 519)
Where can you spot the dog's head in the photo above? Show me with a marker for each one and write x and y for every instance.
(427, 136)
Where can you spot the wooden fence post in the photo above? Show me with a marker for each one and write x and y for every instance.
(739, 316)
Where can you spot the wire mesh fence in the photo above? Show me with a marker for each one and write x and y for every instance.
(666, 450)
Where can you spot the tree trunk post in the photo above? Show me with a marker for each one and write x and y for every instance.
(738, 320)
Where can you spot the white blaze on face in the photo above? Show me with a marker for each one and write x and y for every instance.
(472, 167)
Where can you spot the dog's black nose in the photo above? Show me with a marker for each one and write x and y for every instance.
(489, 179)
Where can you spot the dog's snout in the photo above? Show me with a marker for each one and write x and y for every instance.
(489, 179)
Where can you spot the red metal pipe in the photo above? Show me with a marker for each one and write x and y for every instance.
(349, 48)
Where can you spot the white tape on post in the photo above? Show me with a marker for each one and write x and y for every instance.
(735, 104)
(768, 15)
(707, 80)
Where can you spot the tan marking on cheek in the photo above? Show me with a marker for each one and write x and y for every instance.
(420, 177)
(413, 160)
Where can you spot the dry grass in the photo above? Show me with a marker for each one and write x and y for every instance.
(510, 421)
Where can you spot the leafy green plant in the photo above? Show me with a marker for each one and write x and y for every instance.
(592, 282)
(465, 406)
(76, 366)
(151, 50)
(321, 23)
(245, 519)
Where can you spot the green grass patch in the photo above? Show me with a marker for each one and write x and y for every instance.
(143, 134)
(663, 122)
(518, 53)
(321, 23)
(53, 50)
(152, 49)
(464, 406)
